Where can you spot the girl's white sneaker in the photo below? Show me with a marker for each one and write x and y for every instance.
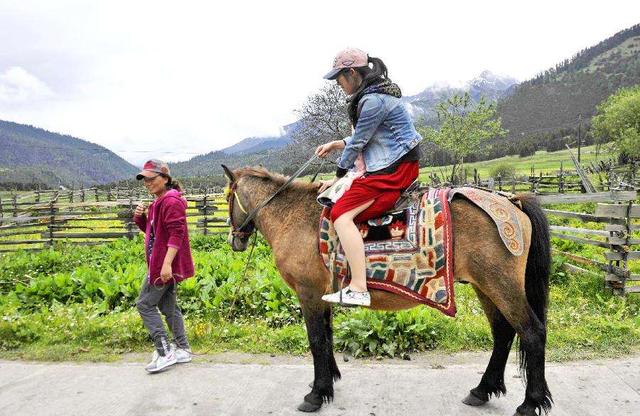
(159, 362)
(183, 355)
(347, 296)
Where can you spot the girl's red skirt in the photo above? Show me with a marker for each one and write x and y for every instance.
(383, 189)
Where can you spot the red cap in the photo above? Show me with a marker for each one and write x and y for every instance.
(153, 168)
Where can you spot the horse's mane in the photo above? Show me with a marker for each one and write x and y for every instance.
(276, 178)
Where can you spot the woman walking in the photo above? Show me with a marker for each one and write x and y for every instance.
(169, 261)
(382, 154)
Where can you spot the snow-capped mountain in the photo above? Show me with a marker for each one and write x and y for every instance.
(488, 85)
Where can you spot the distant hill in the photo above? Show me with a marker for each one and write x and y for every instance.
(562, 97)
(31, 155)
(257, 144)
(247, 152)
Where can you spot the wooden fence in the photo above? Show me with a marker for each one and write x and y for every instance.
(612, 228)
(37, 220)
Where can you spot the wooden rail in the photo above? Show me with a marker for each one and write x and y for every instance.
(616, 213)
(39, 224)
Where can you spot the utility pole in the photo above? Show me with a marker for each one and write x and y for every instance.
(579, 138)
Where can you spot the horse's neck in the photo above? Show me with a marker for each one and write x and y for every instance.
(289, 216)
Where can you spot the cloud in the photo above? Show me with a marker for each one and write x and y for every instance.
(18, 86)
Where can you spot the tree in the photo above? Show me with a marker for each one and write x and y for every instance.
(323, 117)
(618, 119)
(464, 128)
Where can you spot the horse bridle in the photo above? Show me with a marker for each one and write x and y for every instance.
(233, 195)
(238, 231)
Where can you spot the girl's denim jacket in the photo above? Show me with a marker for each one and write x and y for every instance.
(384, 133)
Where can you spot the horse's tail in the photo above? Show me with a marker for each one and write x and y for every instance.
(536, 286)
(539, 259)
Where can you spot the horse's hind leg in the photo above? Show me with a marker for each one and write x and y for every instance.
(511, 301)
(492, 382)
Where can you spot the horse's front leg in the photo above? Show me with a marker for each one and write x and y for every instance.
(317, 317)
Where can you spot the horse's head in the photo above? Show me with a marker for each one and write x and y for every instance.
(239, 232)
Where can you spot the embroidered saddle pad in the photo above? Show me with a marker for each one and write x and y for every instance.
(501, 210)
(408, 253)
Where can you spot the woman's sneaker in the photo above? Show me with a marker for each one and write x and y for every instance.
(159, 362)
(347, 296)
(183, 355)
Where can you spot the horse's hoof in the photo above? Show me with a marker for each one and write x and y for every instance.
(526, 413)
(472, 400)
(307, 407)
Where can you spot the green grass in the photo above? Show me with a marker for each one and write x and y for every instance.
(77, 303)
(541, 161)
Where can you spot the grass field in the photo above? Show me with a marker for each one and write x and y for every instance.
(78, 303)
(541, 161)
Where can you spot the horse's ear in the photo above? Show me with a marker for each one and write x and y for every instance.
(229, 174)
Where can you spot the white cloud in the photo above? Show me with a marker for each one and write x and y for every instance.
(17, 86)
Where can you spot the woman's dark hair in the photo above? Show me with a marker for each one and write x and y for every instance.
(371, 75)
(171, 183)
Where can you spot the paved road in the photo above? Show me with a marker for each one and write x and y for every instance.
(247, 385)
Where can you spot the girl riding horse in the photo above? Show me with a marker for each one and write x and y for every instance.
(385, 139)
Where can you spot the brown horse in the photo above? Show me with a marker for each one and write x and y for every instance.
(513, 290)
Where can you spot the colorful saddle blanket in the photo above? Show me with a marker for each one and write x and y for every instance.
(408, 253)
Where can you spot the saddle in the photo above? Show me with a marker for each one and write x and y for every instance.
(408, 250)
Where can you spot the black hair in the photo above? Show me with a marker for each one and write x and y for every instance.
(371, 75)
(171, 183)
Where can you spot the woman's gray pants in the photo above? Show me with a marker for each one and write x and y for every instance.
(162, 297)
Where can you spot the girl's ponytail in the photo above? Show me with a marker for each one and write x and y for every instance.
(173, 184)
(378, 68)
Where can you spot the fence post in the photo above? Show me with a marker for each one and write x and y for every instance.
(15, 205)
(627, 224)
(96, 192)
(499, 183)
(52, 219)
(82, 196)
(130, 220)
(204, 221)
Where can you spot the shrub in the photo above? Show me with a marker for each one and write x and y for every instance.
(504, 171)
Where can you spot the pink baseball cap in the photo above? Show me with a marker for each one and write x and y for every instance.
(347, 58)
(153, 168)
